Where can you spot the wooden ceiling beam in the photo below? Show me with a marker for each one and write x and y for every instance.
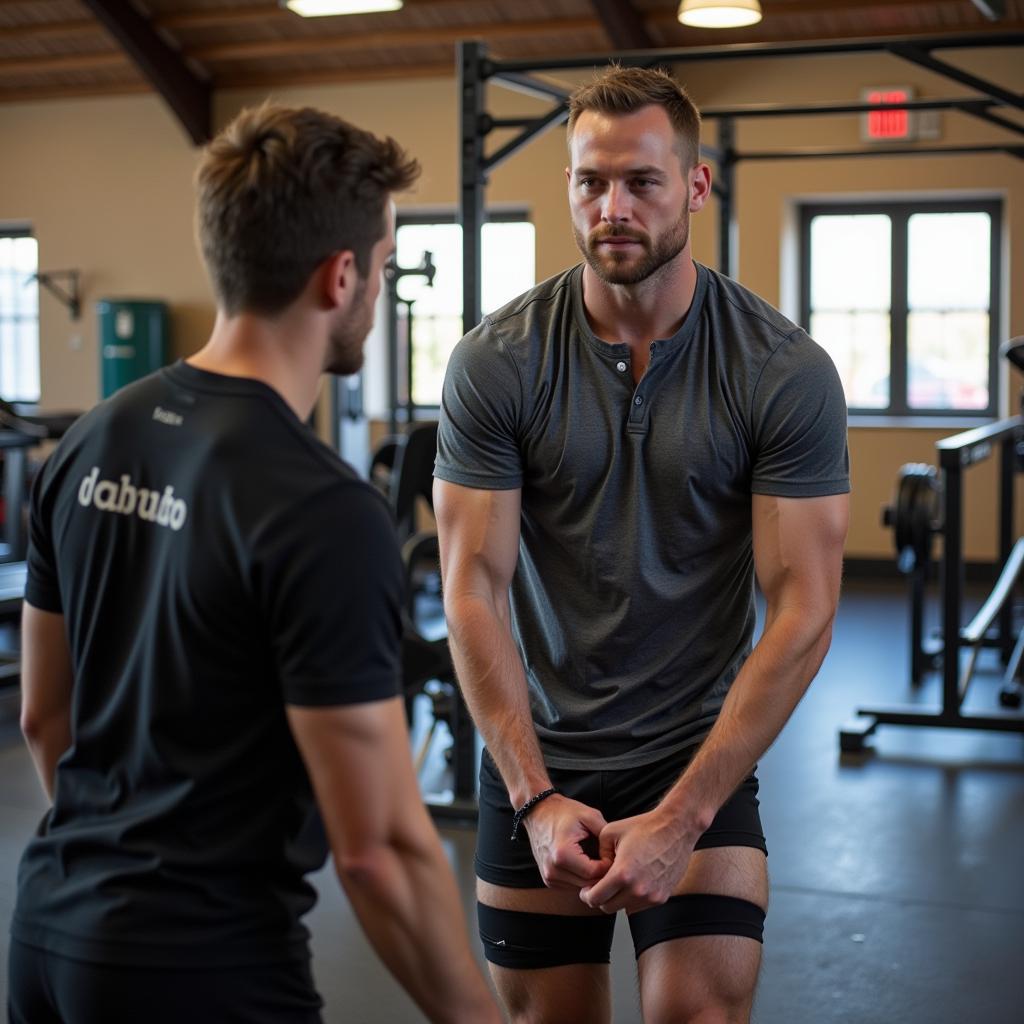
(776, 8)
(66, 92)
(62, 62)
(767, 33)
(623, 24)
(773, 7)
(207, 17)
(211, 17)
(185, 92)
(331, 76)
(50, 29)
(392, 40)
(240, 51)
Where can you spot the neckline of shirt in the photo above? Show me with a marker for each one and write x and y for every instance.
(615, 350)
(190, 376)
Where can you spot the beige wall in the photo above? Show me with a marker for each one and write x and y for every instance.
(106, 185)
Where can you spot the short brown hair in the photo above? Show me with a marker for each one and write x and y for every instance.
(280, 190)
(619, 90)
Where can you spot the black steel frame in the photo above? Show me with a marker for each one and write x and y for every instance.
(957, 454)
(476, 70)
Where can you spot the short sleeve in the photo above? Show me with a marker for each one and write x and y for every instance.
(42, 586)
(799, 424)
(477, 438)
(332, 583)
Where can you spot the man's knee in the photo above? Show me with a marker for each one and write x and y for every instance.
(699, 959)
(548, 968)
(695, 997)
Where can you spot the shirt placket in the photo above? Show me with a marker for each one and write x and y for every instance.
(637, 420)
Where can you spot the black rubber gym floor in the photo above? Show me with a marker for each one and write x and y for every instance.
(898, 874)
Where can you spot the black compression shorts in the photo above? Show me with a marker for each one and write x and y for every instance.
(521, 940)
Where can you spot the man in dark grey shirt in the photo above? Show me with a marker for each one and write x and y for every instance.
(621, 449)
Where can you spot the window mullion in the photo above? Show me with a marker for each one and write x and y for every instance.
(898, 307)
(995, 269)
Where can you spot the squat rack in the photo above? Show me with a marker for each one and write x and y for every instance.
(476, 70)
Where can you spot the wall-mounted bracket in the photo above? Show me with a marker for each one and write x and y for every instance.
(71, 297)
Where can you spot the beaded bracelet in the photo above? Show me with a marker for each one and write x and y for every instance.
(523, 811)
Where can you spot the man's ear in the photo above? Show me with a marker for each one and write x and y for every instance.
(700, 187)
(339, 279)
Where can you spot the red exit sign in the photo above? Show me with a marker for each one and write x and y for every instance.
(888, 125)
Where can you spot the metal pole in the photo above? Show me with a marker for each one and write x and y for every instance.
(410, 405)
(727, 197)
(952, 581)
(472, 178)
(1007, 467)
(392, 341)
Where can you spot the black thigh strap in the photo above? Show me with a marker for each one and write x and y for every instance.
(696, 914)
(523, 941)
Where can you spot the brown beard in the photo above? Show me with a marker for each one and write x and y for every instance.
(656, 253)
(345, 344)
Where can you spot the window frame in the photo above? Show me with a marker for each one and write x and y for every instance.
(420, 217)
(22, 230)
(900, 212)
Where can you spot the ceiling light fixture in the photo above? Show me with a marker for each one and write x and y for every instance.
(719, 13)
(325, 8)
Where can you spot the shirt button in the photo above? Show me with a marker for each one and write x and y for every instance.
(638, 400)
(620, 366)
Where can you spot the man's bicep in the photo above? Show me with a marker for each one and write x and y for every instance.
(798, 547)
(478, 531)
(358, 760)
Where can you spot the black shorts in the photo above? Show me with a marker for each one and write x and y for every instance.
(524, 941)
(44, 988)
(616, 794)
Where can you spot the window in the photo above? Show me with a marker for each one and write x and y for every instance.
(508, 269)
(19, 317)
(904, 297)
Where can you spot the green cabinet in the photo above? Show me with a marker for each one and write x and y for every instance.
(133, 340)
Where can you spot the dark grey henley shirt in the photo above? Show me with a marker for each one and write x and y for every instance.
(633, 597)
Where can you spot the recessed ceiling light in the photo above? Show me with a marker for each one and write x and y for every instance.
(324, 8)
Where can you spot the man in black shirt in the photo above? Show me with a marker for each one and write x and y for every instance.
(211, 636)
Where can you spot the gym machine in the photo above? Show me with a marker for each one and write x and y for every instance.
(22, 428)
(929, 503)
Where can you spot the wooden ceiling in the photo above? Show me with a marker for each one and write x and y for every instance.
(187, 48)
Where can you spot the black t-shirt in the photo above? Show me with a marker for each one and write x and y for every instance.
(214, 562)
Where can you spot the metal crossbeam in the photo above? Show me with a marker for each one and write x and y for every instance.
(747, 51)
(918, 54)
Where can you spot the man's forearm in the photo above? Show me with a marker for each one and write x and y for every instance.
(47, 740)
(491, 676)
(408, 906)
(759, 703)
